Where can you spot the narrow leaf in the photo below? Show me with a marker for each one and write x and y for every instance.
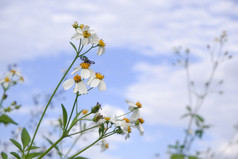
(4, 155)
(16, 144)
(56, 147)
(73, 46)
(177, 156)
(65, 116)
(25, 138)
(32, 148)
(34, 154)
(6, 120)
(15, 155)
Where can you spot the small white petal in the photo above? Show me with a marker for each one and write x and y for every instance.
(76, 69)
(141, 129)
(82, 88)
(76, 88)
(102, 85)
(85, 41)
(68, 84)
(95, 39)
(101, 50)
(135, 115)
(92, 73)
(90, 80)
(6, 84)
(94, 83)
(85, 73)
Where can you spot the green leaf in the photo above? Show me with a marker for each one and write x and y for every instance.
(6, 120)
(188, 108)
(192, 157)
(34, 154)
(56, 147)
(200, 118)
(185, 115)
(65, 116)
(73, 46)
(177, 156)
(16, 144)
(32, 148)
(25, 138)
(4, 155)
(15, 155)
(75, 120)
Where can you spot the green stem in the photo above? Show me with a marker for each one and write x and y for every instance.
(78, 120)
(83, 130)
(126, 113)
(75, 101)
(51, 147)
(4, 91)
(85, 148)
(43, 114)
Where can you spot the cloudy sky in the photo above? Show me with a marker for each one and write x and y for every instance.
(140, 37)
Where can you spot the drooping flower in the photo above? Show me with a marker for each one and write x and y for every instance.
(97, 81)
(100, 43)
(79, 85)
(139, 126)
(86, 72)
(134, 108)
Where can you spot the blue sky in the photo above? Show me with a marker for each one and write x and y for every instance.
(140, 36)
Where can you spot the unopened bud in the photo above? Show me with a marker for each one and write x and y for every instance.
(96, 108)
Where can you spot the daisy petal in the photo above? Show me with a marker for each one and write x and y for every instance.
(82, 88)
(85, 73)
(102, 85)
(76, 69)
(94, 83)
(68, 84)
(76, 88)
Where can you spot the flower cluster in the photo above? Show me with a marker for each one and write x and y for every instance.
(94, 79)
(11, 78)
(84, 33)
(123, 125)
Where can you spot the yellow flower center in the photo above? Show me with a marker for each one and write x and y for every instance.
(85, 111)
(13, 71)
(107, 118)
(81, 26)
(138, 104)
(85, 65)
(99, 76)
(86, 34)
(106, 145)
(7, 79)
(126, 119)
(141, 120)
(129, 129)
(101, 43)
(21, 78)
(77, 78)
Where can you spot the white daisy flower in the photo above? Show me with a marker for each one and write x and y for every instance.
(100, 43)
(139, 126)
(126, 127)
(134, 107)
(13, 73)
(79, 85)
(84, 33)
(6, 82)
(97, 81)
(86, 72)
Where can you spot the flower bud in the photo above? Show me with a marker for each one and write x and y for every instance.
(97, 117)
(96, 108)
